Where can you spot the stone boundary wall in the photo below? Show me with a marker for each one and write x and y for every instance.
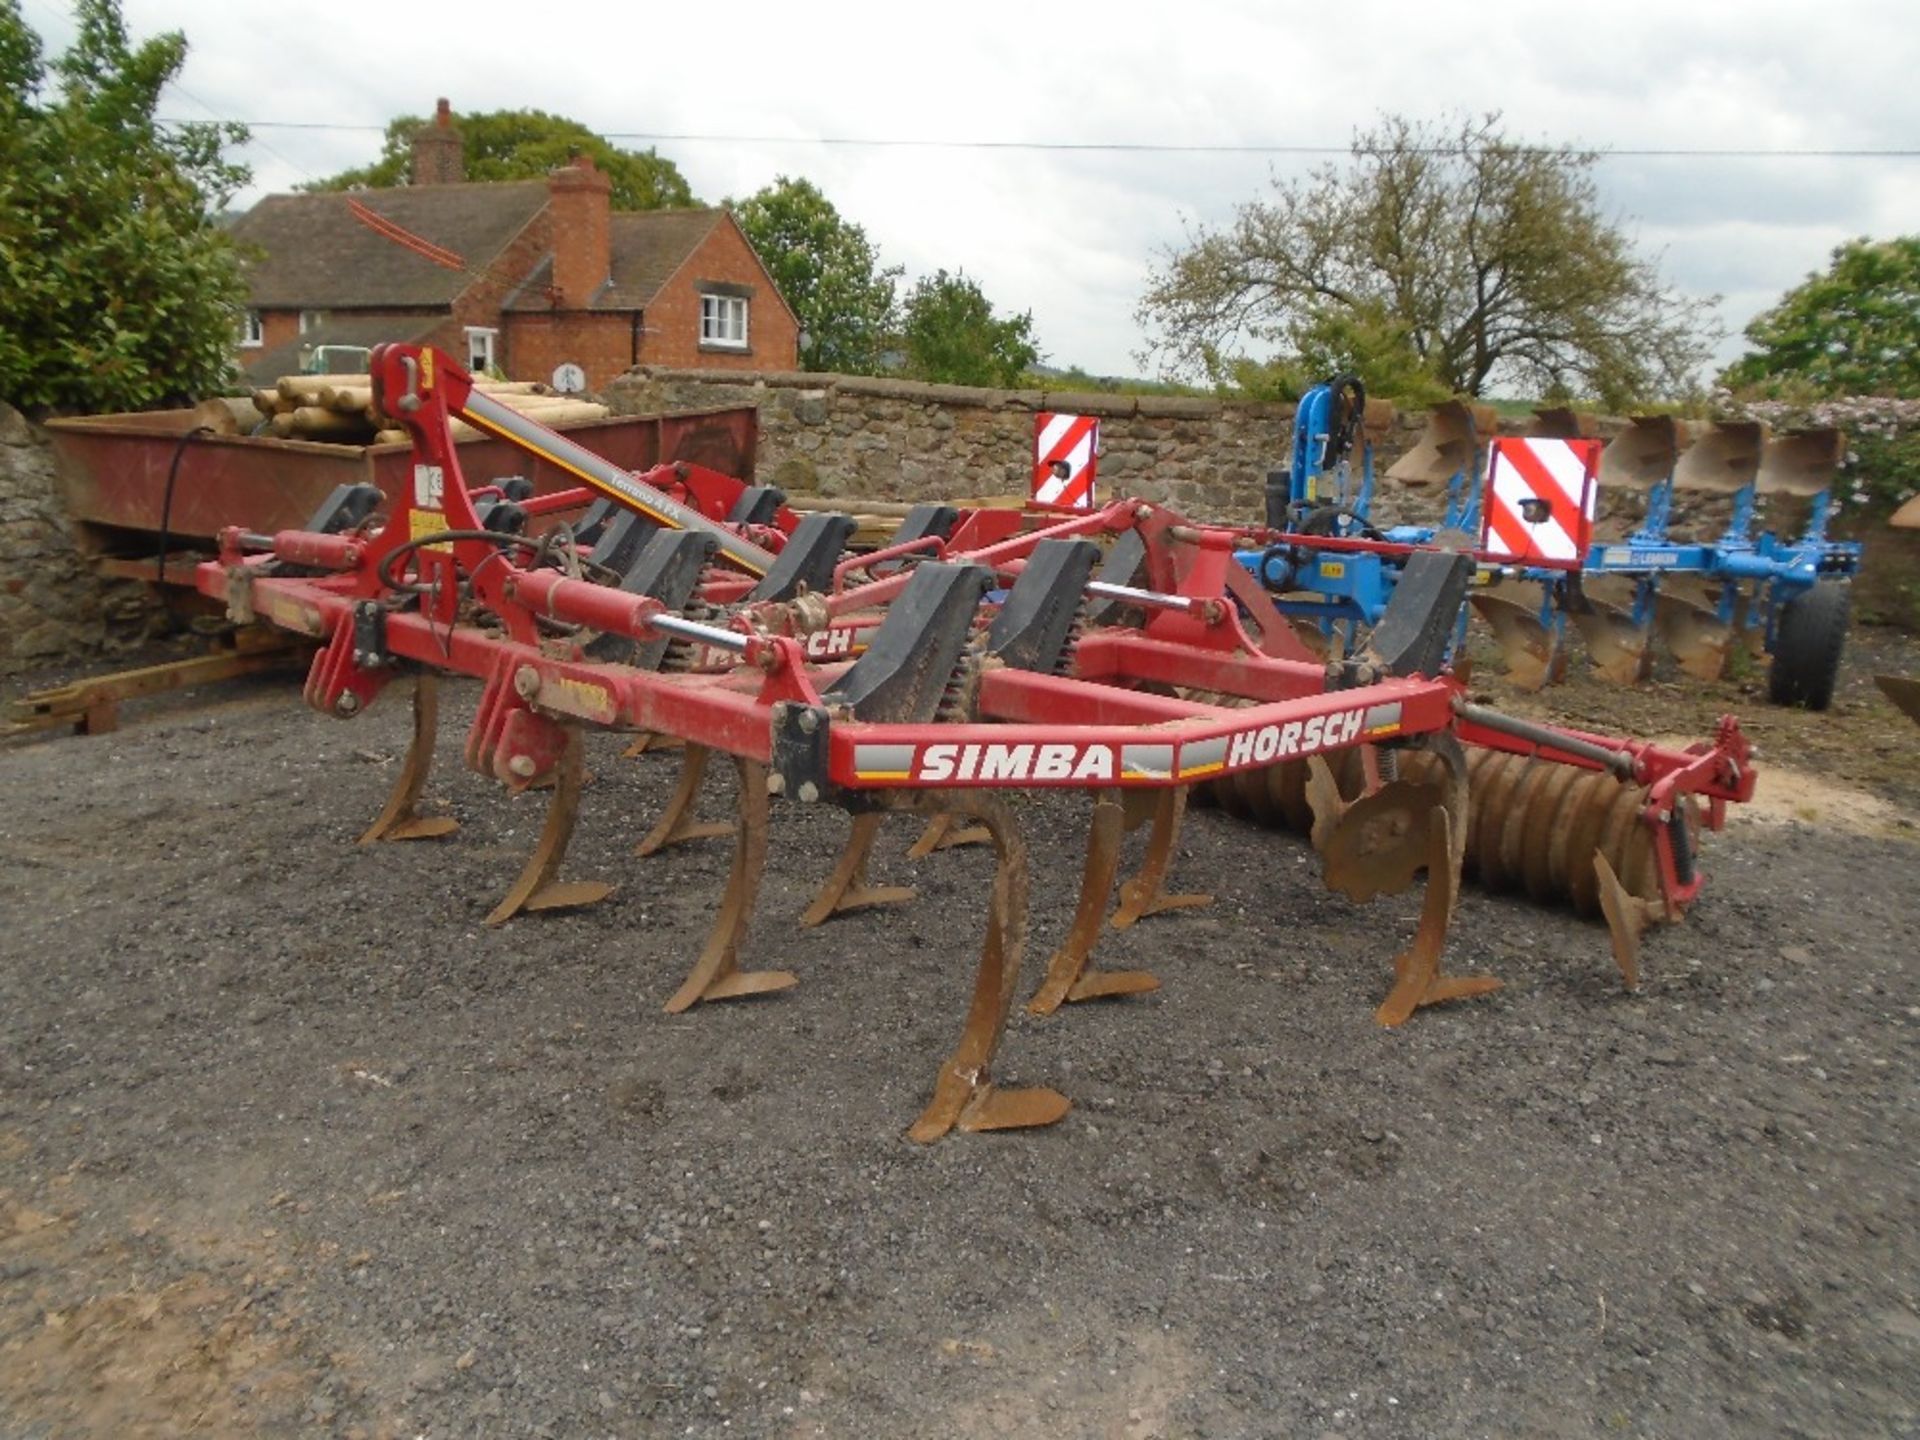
(853, 437)
(53, 604)
(864, 437)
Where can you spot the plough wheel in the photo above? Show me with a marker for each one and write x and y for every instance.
(677, 826)
(536, 889)
(1145, 894)
(1381, 842)
(1070, 975)
(1807, 645)
(846, 889)
(964, 1095)
(400, 819)
(716, 974)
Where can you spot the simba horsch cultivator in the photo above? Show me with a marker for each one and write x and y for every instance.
(1121, 653)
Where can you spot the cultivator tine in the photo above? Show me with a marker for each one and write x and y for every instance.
(1696, 636)
(677, 826)
(1145, 894)
(945, 832)
(400, 818)
(1380, 844)
(1532, 652)
(1628, 918)
(846, 889)
(651, 742)
(964, 1095)
(716, 974)
(1903, 691)
(1070, 975)
(536, 889)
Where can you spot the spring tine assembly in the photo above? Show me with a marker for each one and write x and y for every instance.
(1070, 973)
(1145, 894)
(536, 889)
(716, 974)
(400, 818)
(677, 825)
(964, 1095)
(847, 889)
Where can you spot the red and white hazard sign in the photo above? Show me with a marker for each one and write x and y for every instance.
(1538, 504)
(1065, 451)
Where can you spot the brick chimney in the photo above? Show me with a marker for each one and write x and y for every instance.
(582, 232)
(439, 154)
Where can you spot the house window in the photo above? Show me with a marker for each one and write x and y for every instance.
(312, 320)
(252, 334)
(480, 349)
(723, 321)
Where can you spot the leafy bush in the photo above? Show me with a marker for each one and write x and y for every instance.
(117, 290)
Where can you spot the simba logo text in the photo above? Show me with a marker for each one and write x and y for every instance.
(987, 763)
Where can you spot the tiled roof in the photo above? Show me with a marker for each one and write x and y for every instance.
(317, 256)
(647, 247)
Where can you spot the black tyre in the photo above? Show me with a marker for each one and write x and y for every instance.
(1807, 645)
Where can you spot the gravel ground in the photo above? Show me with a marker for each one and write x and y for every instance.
(290, 1143)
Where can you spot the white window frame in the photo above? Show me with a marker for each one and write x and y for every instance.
(717, 312)
(488, 340)
(253, 334)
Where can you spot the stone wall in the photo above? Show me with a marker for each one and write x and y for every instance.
(53, 606)
(851, 437)
(859, 437)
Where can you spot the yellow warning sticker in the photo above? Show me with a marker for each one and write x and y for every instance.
(422, 523)
(1332, 569)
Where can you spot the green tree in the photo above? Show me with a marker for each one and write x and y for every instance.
(952, 335)
(525, 145)
(1854, 330)
(828, 270)
(117, 290)
(1442, 257)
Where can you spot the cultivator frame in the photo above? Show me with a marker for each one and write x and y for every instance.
(1166, 669)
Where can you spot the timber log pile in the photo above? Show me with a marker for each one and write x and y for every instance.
(339, 409)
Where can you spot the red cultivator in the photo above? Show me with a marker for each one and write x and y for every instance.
(1121, 652)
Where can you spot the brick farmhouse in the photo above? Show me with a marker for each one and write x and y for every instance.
(521, 277)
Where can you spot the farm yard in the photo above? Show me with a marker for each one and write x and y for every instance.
(595, 676)
(295, 1144)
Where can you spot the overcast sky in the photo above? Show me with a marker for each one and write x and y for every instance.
(1071, 235)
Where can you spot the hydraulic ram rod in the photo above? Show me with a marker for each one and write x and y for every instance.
(603, 475)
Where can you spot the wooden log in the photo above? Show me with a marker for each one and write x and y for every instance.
(316, 422)
(268, 403)
(306, 389)
(226, 415)
(347, 399)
